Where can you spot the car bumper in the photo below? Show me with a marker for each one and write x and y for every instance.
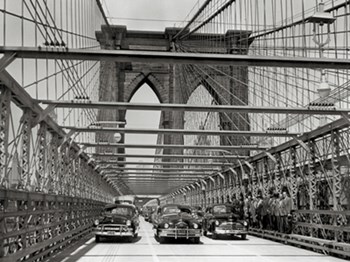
(230, 231)
(179, 233)
(122, 231)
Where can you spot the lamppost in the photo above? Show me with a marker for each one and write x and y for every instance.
(319, 19)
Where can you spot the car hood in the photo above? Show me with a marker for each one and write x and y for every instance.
(174, 218)
(227, 216)
(114, 219)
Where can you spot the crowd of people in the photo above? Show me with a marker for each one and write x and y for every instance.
(272, 212)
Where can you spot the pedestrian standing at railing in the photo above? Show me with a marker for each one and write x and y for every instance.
(286, 208)
(264, 212)
(279, 213)
(270, 211)
(275, 211)
(259, 211)
(252, 210)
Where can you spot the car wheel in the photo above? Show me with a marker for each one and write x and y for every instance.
(196, 240)
(97, 239)
(161, 240)
(244, 236)
(136, 235)
(205, 233)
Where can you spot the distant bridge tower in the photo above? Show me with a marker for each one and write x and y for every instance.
(119, 81)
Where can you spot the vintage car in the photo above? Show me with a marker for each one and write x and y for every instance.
(117, 220)
(177, 222)
(224, 219)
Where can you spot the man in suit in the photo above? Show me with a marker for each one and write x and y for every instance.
(286, 209)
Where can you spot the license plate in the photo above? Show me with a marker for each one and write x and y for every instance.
(182, 232)
(111, 232)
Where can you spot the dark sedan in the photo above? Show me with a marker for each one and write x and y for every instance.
(224, 219)
(177, 222)
(117, 220)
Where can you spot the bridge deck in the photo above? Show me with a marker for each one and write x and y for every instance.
(146, 248)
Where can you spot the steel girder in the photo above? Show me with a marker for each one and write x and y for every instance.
(58, 170)
(42, 154)
(190, 108)
(26, 132)
(112, 157)
(181, 131)
(174, 58)
(168, 146)
(5, 99)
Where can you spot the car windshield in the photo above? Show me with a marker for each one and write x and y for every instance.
(124, 211)
(222, 209)
(175, 209)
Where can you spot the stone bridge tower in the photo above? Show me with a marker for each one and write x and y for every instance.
(119, 81)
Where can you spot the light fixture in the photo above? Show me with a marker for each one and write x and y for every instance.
(321, 17)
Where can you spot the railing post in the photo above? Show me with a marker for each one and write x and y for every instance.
(26, 131)
(5, 99)
(293, 177)
(41, 158)
(53, 165)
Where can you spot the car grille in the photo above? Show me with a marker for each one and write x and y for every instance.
(231, 226)
(119, 228)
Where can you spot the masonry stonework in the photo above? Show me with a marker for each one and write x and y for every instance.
(120, 81)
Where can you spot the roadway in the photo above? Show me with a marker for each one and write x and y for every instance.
(147, 249)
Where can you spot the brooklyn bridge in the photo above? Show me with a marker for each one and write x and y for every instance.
(242, 104)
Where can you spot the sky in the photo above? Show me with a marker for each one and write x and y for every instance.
(149, 14)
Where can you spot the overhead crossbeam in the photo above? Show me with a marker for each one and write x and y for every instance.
(165, 169)
(175, 58)
(167, 180)
(116, 163)
(113, 157)
(193, 108)
(156, 175)
(169, 174)
(180, 131)
(228, 148)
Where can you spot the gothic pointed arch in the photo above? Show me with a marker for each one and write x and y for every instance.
(152, 81)
(205, 82)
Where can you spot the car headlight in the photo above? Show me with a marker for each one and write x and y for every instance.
(195, 226)
(217, 223)
(245, 223)
(128, 223)
(166, 225)
(96, 222)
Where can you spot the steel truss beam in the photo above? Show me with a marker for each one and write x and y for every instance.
(228, 157)
(23, 100)
(26, 133)
(181, 131)
(228, 148)
(165, 163)
(175, 58)
(5, 102)
(194, 108)
(165, 169)
(157, 176)
(142, 182)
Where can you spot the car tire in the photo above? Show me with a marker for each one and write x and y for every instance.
(97, 239)
(205, 233)
(196, 240)
(244, 236)
(161, 240)
(136, 235)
